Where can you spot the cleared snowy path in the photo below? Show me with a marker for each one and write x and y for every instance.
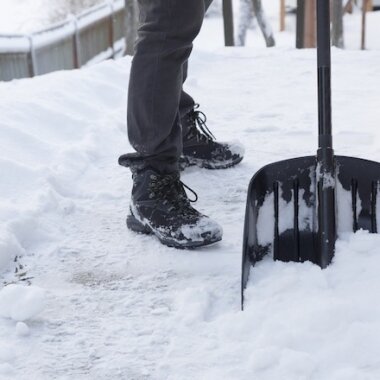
(121, 306)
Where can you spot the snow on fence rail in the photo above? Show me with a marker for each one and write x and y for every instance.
(95, 34)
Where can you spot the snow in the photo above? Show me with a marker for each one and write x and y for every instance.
(100, 57)
(65, 31)
(16, 44)
(27, 16)
(194, 232)
(82, 297)
(100, 11)
(22, 16)
(22, 329)
(21, 303)
(265, 221)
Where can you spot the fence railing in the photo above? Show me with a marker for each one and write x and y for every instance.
(96, 34)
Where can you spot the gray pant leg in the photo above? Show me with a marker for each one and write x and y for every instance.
(187, 102)
(165, 36)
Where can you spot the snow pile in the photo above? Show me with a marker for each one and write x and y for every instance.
(300, 322)
(7, 356)
(21, 303)
(54, 129)
(9, 249)
(49, 137)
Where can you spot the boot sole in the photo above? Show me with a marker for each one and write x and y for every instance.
(187, 161)
(135, 225)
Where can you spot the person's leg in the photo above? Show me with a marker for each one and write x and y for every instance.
(199, 146)
(165, 36)
(159, 203)
(186, 101)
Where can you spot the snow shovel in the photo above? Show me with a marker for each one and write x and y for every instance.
(295, 207)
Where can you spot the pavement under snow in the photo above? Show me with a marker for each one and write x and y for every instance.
(84, 298)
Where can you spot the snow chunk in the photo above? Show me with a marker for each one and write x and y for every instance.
(194, 232)
(7, 355)
(193, 306)
(9, 249)
(265, 221)
(344, 209)
(20, 302)
(22, 329)
(236, 147)
(327, 179)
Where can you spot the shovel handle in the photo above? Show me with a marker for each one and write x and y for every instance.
(324, 73)
(325, 155)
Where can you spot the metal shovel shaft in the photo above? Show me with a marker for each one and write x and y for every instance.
(325, 155)
(324, 73)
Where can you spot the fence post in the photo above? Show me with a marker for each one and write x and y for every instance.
(131, 25)
(76, 50)
(228, 23)
(282, 15)
(306, 27)
(337, 24)
(310, 29)
(111, 30)
(364, 14)
(300, 24)
(31, 58)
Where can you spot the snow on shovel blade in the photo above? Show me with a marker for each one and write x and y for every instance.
(282, 208)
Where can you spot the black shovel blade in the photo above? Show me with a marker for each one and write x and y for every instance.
(282, 208)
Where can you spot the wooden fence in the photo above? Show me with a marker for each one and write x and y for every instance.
(96, 34)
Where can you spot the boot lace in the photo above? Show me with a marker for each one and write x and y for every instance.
(198, 128)
(171, 190)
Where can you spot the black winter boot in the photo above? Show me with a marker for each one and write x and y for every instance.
(200, 147)
(160, 206)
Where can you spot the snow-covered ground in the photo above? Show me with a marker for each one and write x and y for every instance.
(84, 298)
